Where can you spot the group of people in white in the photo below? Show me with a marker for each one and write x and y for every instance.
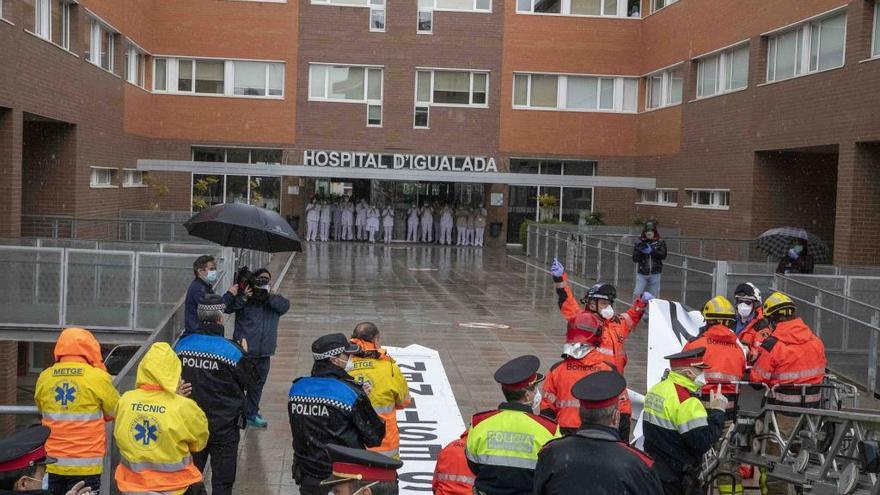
(344, 220)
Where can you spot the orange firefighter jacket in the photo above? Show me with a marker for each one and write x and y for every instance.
(556, 394)
(725, 357)
(388, 391)
(75, 397)
(452, 475)
(791, 355)
(754, 334)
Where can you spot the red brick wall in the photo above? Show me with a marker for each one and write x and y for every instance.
(8, 383)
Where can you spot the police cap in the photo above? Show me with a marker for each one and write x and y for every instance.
(519, 373)
(350, 464)
(599, 390)
(692, 358)
(23, 449)
(331, 345)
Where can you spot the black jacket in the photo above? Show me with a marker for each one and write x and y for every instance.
(219, 372)
(329, 407)
(196, 291)
(594, 457)
(257, 321)
(652, 263)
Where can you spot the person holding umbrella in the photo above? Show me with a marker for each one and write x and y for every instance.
(797, 260)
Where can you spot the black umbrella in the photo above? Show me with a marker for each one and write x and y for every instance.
(244, 226)
(776, 242)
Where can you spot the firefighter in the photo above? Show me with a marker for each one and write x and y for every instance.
(581, 357)
(678, 429)
(220, 373)
(724, 354)
(611, 466)
(452, 475)
(751, 326)
(388, 391)
(360, 472)
(503, 444)
(157, 429)
(76, 397)
(328, 407)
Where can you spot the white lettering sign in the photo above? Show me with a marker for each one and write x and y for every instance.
(398, 161)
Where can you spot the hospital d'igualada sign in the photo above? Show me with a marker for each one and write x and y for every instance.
(398, 161)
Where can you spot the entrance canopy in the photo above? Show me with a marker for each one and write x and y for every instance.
(214, 168)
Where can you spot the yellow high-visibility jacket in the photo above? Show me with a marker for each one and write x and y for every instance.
(157, 429)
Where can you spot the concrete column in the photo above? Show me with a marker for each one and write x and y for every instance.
(8, 383)
(10, 172)
(857, 219)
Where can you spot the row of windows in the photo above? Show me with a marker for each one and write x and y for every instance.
(718, 199)
(218, 77)
(103, 177)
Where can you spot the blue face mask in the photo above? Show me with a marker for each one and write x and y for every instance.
(211, 276)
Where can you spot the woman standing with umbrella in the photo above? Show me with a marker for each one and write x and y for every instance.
(798, 250)
(797, 260)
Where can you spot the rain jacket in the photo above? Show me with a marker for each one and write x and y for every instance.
(614, 332)
(76, 396)
(452, 475)
(678, 430)
(754, 332)
(726, 360)
(388, 391)
(556, 398)
(257, 321)
(503, 445)
(329, 407)
(219, 373)
(791, 355)
(194, 295)
(651, 263)
(156, 429)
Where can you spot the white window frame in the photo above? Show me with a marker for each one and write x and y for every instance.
(666, 3)
(43, 19)
(661, 199)
(718, 196)
(803, 46)
(565, 10)
(226, 181)
(136, 73)
(365, 99)
(128, 173)
(427, 10)
(665, 93)
(172, 75)
(474, 9)
(724, 68)
(65, 20)
(96, 26)
(100, 185)
(471, 73)
(875, 36)
(562, 93)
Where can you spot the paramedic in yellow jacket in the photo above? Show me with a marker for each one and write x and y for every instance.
(75, 397)
(157, 429)
(385, 384)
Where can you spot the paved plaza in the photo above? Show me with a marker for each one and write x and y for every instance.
(416, 295)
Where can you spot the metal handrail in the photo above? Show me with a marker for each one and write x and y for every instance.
(826, 291)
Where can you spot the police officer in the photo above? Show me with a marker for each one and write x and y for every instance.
(329, 407)
(361, 472)
(157, 429)
(503, 444)
(219, 373)
(75, 396)
(678, 429)
(595, 456)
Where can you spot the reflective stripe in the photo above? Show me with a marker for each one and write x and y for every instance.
(764, 374)
(606, 351)
(500, 460)
(794, 375)
(568, 403)
(659, 421)
(169, 467)
(719, 376)
(551, 397)
(460, 478)
(692, 425)
(63, 416)
(383, 409)
(791, 398)
(79, 461)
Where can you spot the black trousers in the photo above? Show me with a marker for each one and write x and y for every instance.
(222, 449)
(60, 484)
(255, 392)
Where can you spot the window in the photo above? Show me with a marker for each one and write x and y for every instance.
(101, 177)
(875, 51)
(100, 46)
(257, 78)
(660, 197)
(133, 68)
(236, 155)
(710, 198)
(374, 115)
(209, 190)
(160, 75)
(440, 87)
(43, 18)
(345, 83)
(344, 3)
(664, 88)
(605, 8)
(575, 203)
(132, 178)
(575, 93)
(723, 72)
(61, 23)
(219, 77)
(425, 17)
(811, 47)
(659, 4)
(377, 19)
(457, 5)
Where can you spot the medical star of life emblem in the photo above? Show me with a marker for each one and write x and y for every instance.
(145, 432)
(65, 393)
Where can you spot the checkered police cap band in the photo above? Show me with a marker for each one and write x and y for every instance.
(212, 307)
(328, 354)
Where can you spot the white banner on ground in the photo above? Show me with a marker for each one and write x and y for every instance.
(670, 327)
(430, 422)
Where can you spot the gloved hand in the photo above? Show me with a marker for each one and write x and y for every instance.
(556, 269)
(647, 249)
(647, 296)
(793, 254)
(717, 400)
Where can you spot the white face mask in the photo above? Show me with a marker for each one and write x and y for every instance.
(536, 402)
(744, 310)
(700, 380)
(607, 312)
(349, 365)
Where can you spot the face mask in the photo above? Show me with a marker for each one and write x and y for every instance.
(211, 276)
(349, 365)
(536, 402)
(798, 249)
(700, 380)
(576, 350)
(744, 310)
(607, 312)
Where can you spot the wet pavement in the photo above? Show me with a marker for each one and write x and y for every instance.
(415, 295)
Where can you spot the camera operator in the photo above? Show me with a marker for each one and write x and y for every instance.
(206, 274)
(256, 323)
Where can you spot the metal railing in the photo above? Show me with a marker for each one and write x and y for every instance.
(143, 228)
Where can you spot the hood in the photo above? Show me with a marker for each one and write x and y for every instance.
(793, 331)
(369, 350)
(79, 342)
(645, 238)
(160, 367)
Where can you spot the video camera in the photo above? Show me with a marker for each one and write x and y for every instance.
(245, 278)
